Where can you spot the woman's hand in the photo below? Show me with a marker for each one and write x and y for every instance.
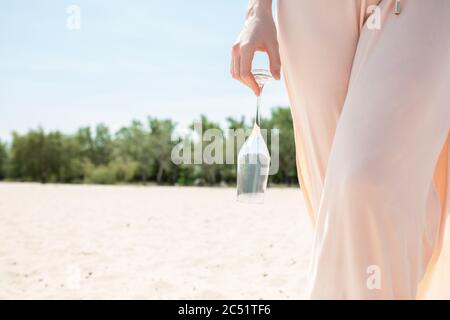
(259, 34)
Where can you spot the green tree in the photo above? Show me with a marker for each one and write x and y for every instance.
(111, 173)
(37, 156)
(27, 156)
(205, 172)
(69, 167)
(161, 132)
(3, 160)
(134, 143)
(236, 127)
(103, 145)
(138, 153)
(281, 119)
(97, 148)
(84, 138)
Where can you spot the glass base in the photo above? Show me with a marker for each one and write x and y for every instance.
(253, 198)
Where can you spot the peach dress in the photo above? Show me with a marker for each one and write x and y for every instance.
(371, 110)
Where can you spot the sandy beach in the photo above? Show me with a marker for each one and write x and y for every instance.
(136, 242)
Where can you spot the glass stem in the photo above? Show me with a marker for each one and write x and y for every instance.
(258, 106)
(258, 119)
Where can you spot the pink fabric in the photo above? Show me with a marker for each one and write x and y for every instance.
(371, 116)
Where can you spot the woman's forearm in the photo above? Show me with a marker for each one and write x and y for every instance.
(259, 6)
(259, 34)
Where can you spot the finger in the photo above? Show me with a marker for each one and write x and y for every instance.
(236, 67)
(232, 65)
(275, 61)
(245, 72)
(235, 61)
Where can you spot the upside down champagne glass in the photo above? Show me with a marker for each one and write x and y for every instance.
(254, 158)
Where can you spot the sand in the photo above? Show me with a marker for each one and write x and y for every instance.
(136, 242)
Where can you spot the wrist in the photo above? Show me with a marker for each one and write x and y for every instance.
(259, 8)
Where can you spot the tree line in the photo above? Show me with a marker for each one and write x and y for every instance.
(138, 153)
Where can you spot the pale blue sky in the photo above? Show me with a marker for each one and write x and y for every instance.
(130, 59)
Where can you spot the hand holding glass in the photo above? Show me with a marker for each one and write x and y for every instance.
(254, 158)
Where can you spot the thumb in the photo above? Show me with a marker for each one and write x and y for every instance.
(275, 62)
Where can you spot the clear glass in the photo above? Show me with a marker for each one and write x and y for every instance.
(254, 159)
